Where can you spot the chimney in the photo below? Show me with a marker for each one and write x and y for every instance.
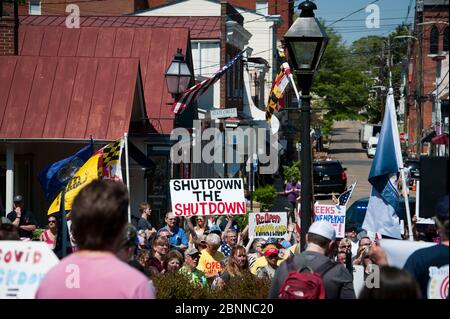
(9, 28)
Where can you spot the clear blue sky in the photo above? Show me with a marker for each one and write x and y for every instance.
(392, 13)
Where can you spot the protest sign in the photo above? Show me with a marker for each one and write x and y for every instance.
(398, 251)
(334, 214)
(207, 196)
(267, 225)
(23, 264)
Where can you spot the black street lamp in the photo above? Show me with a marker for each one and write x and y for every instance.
(306, 40)
(178, 76)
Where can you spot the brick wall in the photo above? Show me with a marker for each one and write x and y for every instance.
(6, 36)
(428, 71)
(92, 8)
(8, 31)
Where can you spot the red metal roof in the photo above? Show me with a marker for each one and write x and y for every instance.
(201, 27)
(66, 97)
(154, 47)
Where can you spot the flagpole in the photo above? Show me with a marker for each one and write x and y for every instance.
(127, 172)
(405, 196)
(291, 78)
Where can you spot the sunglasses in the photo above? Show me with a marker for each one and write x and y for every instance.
(52, 221)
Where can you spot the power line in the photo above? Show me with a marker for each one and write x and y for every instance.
(350, 14)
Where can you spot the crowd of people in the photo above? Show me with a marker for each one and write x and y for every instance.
(121, 260)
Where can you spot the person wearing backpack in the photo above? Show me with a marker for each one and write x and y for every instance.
(312, 275)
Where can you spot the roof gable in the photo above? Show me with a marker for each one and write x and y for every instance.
(153, 47)
(66, 97)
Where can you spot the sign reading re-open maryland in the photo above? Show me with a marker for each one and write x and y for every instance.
(207, 196)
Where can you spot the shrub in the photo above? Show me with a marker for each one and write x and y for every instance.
(292, 171)
(266, 196)
(246, 286)
(178, 286)
(37, 234)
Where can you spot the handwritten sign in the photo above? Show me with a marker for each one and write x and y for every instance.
(268, 225)
(334, 214)
(23, 264)
(207, 196)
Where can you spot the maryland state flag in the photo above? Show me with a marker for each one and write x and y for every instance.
(104, 164)
(279, 85)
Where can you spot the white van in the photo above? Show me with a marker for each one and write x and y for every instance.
(372, 146)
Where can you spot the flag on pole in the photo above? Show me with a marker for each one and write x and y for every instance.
(345, 196)
(381, 215)
(104, 164)
(55, 176)
(276, 101)
(191, 94)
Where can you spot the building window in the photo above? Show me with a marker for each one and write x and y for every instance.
(434, 40)
(445, 40)
(262, 7)
(35, 8)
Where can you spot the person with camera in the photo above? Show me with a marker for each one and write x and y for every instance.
(362, 257)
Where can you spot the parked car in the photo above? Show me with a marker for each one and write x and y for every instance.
(372, 146)
(356, 213)
(329, 177)
(413, 166)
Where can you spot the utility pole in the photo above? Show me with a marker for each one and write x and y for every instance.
(419, 83)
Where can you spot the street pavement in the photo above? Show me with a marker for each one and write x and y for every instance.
(346, 148)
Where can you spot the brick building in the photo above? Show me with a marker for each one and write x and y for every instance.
(431, 36)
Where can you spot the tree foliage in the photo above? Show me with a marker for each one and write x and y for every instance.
(350, 79)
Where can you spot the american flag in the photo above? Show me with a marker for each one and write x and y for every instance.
(191, 94)
(345, 196)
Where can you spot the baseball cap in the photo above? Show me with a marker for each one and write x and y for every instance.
(323, 228)
(270, 252)
(191, 251)
(18, 199)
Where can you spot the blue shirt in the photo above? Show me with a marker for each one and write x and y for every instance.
(178, 237)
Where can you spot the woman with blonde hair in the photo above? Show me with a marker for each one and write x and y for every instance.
(237, 265)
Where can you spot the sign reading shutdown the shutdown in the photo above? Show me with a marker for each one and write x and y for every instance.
(334, 214)
(267, 225)
(23, 264)
(207, 196)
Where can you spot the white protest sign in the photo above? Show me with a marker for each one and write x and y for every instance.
(267, 225)
(358, 279)
(334, 214)
(438, 284)
(398, 251)
(23, 264)
(207, 196)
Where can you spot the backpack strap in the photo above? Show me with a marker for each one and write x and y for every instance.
(291, 264)
(325, 267)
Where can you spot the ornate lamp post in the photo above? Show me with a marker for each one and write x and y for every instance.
(178, 75)
(306, 40)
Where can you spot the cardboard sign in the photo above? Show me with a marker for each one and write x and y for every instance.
(334, 214)
(267, 225)
(398, 251)
(23, 264)
(207, 196)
